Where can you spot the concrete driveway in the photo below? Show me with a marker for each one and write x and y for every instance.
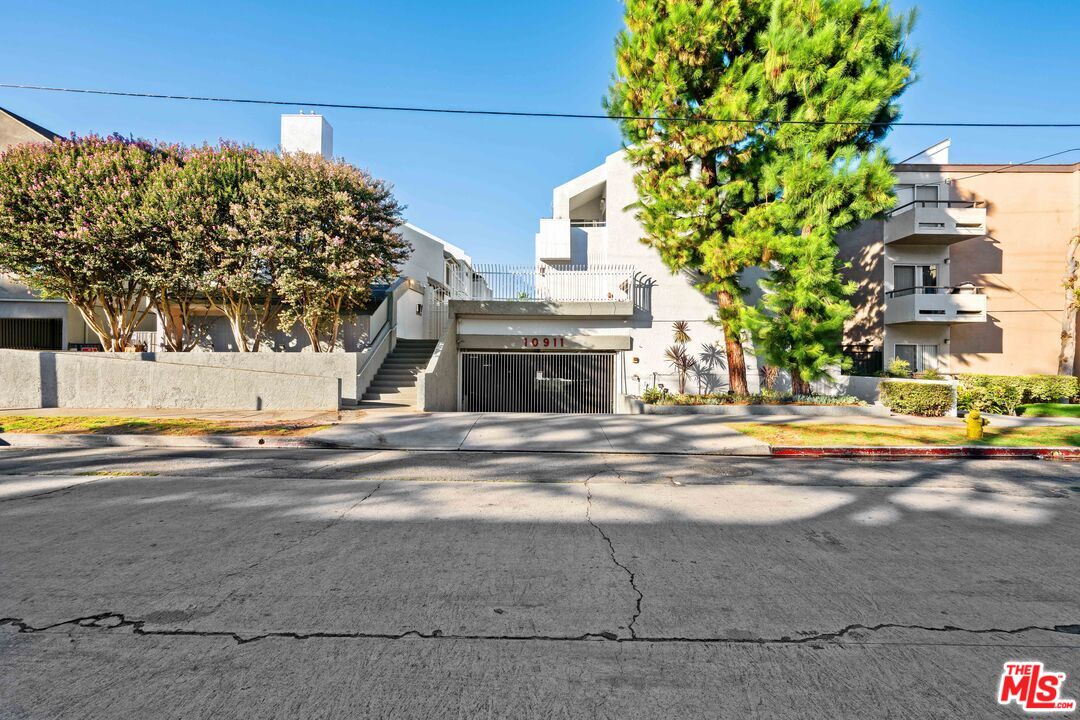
(324, 584)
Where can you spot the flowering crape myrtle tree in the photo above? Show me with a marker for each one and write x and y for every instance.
(843, 61)
(723, 187)
(240, 266)
(329, 229)
(199, 259)
(71, 227)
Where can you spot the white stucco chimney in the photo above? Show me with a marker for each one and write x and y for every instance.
(307, 133)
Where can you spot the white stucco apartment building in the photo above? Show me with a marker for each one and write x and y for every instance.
(588, 324)
(592, 226)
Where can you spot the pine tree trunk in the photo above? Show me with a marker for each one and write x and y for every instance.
(798, 385)
(736, 361)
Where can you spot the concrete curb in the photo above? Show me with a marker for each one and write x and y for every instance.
(930, 451)
(29, 440)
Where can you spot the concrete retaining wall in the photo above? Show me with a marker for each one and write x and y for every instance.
(340, 366)
(864, 388)
(30, 379)
(436, 386)
(372, 359)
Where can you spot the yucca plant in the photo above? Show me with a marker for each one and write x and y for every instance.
(681, 331)
(681, 361)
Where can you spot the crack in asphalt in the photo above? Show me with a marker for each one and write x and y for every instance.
(337, 520)
(469, 432)
(295, 544)
(111, 621)
(614, 557)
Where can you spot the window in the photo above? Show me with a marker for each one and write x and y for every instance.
(924, 195)
(907, 353)
(927, 357)
(919, 357)
(926, 192)
(911, 279)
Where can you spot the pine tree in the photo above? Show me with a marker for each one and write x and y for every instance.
(686, 62)
(825, 60)
(720, 197)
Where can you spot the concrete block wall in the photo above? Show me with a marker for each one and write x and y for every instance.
(341, 366)
(30, 379)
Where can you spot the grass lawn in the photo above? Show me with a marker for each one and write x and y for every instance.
(144, 426)
(824, 434)
(1048, 410)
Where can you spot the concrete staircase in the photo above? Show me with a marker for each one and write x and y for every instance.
(395, 383)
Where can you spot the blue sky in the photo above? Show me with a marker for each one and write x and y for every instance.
(482, 183)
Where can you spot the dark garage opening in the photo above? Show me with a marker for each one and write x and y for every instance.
(554, 382)
(31, 333)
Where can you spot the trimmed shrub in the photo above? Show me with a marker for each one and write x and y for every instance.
(1049, 388)
(899, 368)
(651, 395)
(916, 398)
(1003, 393)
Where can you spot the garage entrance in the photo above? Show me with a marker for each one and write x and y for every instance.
(32, 333)
(554, 382)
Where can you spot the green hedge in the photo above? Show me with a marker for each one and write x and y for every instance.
(916, 398)
(1003, 393)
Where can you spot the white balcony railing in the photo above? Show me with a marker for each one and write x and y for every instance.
(556, 284)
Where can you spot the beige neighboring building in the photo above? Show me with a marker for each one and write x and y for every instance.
(966, 273)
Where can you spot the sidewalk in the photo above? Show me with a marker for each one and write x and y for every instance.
(404, 429)
(676, 434)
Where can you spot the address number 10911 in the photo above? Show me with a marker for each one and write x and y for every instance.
(543, 342)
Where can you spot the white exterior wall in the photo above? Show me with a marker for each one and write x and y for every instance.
(307, 134)
(430, 259)
(663, 298)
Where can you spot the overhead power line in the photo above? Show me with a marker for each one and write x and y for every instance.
(1003, 168)
(524, 114)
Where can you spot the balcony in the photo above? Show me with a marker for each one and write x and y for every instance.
(596, 291)
(545, 283)
(558, 237)
(920, 305)
(935, 222)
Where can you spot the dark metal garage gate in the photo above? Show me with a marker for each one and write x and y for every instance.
(32, 333)
(555, 382)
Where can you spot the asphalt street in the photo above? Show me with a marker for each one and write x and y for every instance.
(162, 583)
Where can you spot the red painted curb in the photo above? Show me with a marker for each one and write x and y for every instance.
(937, 451)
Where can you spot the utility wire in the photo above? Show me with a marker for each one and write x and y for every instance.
(1002, 168)
(513, 113)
